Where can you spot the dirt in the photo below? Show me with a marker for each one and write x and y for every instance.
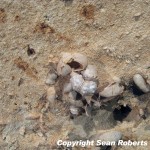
(114, 35)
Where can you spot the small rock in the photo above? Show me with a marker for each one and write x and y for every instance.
(111, 136)
(32, 116)
(141, 83)
(22, 130)
(51, 94)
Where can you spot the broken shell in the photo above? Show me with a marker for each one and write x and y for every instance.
(67, 87)
(111, 136)
(63, 69)
(66, 57)
(141, 83)
(90, 72)
(51, 94)
(74, 110)
(88, 88)
(76, 81)
(112, 90)
(51, 78)
(73, 99)
(78, 62)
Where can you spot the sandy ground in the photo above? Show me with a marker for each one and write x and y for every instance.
(115, 36)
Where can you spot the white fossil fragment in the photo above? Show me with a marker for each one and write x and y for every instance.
(111, 136)
(74, 110)
(76, 61)
(88, 88)
(81, 60)
(112, 90)
(76, 81)
(141, 83)
(90, 72)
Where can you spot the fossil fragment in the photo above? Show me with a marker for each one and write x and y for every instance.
(90, 72)
(76, 81)
(88, 88)
(141, 83)
(112, 136)
(111, 90)
(74, 110)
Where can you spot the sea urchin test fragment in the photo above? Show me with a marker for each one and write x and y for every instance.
(76, 81)
(141, 83)
(63, 69)
(111, 136)
(88, 88)
(112, 90)
(78, 62)
(51, 94)
(90, 72)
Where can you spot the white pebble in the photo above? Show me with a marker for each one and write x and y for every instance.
(74, 110)
(76, 81)
(141, 83)
(112, 90)
(111, 136)
(88, 88)
(90, 72)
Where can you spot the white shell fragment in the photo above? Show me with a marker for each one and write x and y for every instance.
(90, 72)
(63, 69)
(74, 110)
(112, 90)
(81, 59)
(66, 57)
(141, 83)
(76, 61)
(51, 94)
(51, 78)
(76, 81)
(67, 87)
(88, 87)
(111, 136)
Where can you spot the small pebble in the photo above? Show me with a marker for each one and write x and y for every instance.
(141, 83)
(22, 130)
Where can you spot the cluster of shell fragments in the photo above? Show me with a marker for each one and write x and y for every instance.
(81, 87)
